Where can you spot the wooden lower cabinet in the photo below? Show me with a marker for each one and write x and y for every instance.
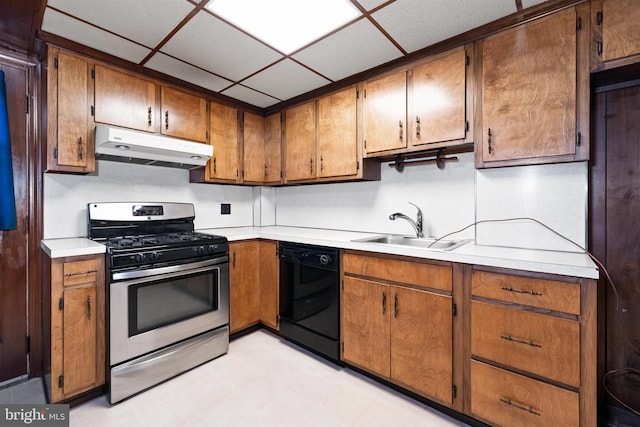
(244, 285)
(398, 332)
(75, 355)
(533, 351)
(269, 283)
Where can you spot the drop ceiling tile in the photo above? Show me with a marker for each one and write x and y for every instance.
(371, 4)
(72, 29)
(250, 96)
(146, 22)
(352, 50)
(416, 24)
(181, 70)
(209, 43)
(285, 79)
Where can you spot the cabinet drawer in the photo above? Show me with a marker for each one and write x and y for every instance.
(507, 399)
(548, 294)
(537, 343)
(412, 273)
(80, 272)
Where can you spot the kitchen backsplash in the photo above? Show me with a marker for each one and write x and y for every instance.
(451, 199)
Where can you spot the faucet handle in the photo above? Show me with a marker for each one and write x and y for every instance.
(418, 220)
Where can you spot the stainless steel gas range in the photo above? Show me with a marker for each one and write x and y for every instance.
(168, 292)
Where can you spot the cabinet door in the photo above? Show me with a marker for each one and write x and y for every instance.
(438, 93)
(620, 29)
(70, 134)
(79, 338)
(529, 90)
(269, 285)
(224, 138)
(337, 134)
(300, 142)
(273, 148)
(124, 100)
(184, 115)
(254, 164)
(244, 285)
(366, 325)
(422, 341)
(385, 113)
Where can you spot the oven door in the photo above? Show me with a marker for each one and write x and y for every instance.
(167, 305)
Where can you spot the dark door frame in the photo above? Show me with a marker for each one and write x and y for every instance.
(34, 152)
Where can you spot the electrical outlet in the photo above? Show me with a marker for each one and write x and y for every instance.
(225, 209)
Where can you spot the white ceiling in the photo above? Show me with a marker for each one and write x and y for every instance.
(208, 52)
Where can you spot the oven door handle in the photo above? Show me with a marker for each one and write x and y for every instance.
(170, 271)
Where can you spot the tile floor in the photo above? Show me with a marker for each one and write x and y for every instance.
(31, 391)
(264, 381)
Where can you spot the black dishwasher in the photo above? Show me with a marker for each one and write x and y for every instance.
(310, 297)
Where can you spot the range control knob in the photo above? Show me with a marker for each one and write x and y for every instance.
(200, 250)
(325, 259)
(138, 258)
(153, 256)
(211, 249)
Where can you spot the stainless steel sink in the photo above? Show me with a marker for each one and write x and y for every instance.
(426, 243)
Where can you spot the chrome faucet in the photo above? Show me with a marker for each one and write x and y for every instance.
(417, 224)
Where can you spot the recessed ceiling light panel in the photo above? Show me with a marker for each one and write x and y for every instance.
(286, 25)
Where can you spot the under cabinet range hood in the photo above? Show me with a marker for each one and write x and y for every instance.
(130, 146)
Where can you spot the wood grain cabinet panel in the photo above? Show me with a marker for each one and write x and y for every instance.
(184, 115)
(269, 283)
(337, 134)
(439, 99)
(529, 94)
(75, 357)
(385, 113)
(262, 142)
(300, 142)
(273, 148)
(244, 285)
(537, 343)
(125, 100)
(402, 334)
(506, 399)
(620, 29)
(223, 165)
(70, 128)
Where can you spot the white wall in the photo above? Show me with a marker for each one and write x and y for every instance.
(66, 196)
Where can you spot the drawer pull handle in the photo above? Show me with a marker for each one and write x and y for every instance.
(520, 406)
(522, 291)
(520, 341)
(80, 273)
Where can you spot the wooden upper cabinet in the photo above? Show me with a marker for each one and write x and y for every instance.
(125, 100)
(385, 113)
(184, 115)
(261, 149)
(273, 149)
(616, 31)
(300, 142)
(223, 166)
(438, 94)
(70, 128)
(254, 164)
(530, 103)
(337, 134)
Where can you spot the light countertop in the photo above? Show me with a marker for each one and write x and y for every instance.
(554, 262)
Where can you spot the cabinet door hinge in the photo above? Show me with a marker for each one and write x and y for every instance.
(55, 152)
(579, 24)
(28, 344)
(454, 391)
(357, 94)
(342, 346)
(599, 17)
(342, 283)
(61, 381)
(93, 74)
(365, 144)
(207, 135)
(357, 165)
(599, 48)
(61, 304)
(55, 62)
(467, 60)
(26, 104)
(466, 126)
(365, 93)
(454, 309)
(579, 139)
(93, 111)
